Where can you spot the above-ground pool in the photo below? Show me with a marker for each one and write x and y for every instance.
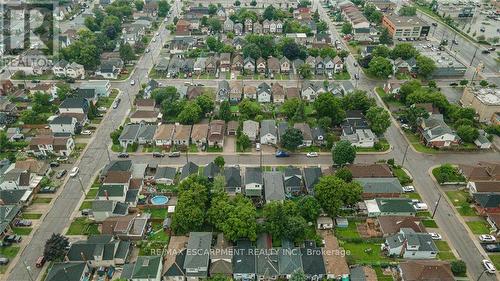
(159, 200)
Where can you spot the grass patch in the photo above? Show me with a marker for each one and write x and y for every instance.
(193, 148)
(365, 253)
(22, 230)
(442, 246)
(403, 178)
(31, 216)
(8, 252)
(413, 195)
(92, 193)
(495, 259)
(82, 226)
(424, 214)
(344, 75)
(382, 145)
(460, 199)
(148, 248)
(158, 234)
(447, 173)
(430, 223)
(116, 148)
(380, 274)
(86, 205)
(42, 200)
(214, 149)
(446, 256)
(349, 232)
(478, 227)
(157, 213)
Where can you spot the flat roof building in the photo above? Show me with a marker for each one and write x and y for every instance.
(486, 102)
(405, 27)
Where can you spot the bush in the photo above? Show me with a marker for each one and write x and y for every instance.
(378, 146)
(447, 173)
(458, 267)
(391, 162)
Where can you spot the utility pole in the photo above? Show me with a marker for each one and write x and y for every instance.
(404, 156)
(474, 56)
(481, 275)
(436, 205)
(28, 270)
(81, 184)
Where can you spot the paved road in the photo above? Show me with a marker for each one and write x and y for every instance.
(93, 159)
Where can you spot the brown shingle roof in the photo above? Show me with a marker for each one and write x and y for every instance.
(420, 270)
(182, 132)
(487, 186)
(482, 172)
(194, 92)
(292, 92)
(232, 125)
(42, 139)
(164, 131)
(370, 170)
(144, 114)
(200, 132)
(216, 130)
(392, 224)
(145, 102)
(117, 177)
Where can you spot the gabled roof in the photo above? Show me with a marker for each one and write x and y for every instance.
(312, 259)
(232, 176)
(244, 260)
(188, 169)
(311, 177)
(267, 127)
(426, 270)
(211, 170)
(75, 103)
(66, 271)
(253, 175)
(289, 258)
(198, 247)
(273, 186)
(144, 268)
(380, 185)
(379, 170)
(163, 172)
(487, 200)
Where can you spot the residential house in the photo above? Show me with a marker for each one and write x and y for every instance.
(249, 65)
(380, 187)
(137, 133)
(182, 27)
(248, 25)
(145, 116)
(356, 130)
(267, 260)
(165, 175)
(292, 92)
(45, 145)
(188, 169)
(306, 133)
(253, 182)
(390, 207)
(487, 203)
(377, 170)
(221, 258)
(274, 189)
(14, 134)
(66, 69)
(484, 171)
(228, 25)
(285, 65)
(233, 179)
(426, 270)
(104, 209)
(88, 94)
(311, 61)
(110, 68)
(63, 124)
(400, 66)
(216, 133)
(268, 132)
(318, 136)
(311, 178)
(145, 104)
(144, 268)
(311, 90)
(323, 222)
(199, 134)
(251, 129)
(45, 88)
(99, 250)
(261, 65)
(244, 261)
(273, 65)
(319, 67)
(483, 187)
(37, 167)
(236, 91)
(211, 170)
(199, 65)
(293, 180)
(436, 133)
(223, 91)
(237, 63)
(101, 87)
(238, 29)
(211, 65)
(297, 63)
(9, 213)
(197, 256)
(264, 93)
(409, 244)
(278, 93)
(193, 92)
(181, 135)
(312, 261)
(250, 92)
(164, 134)
(68, 270)
(257, 28)
(232, 128)
(390, 225)
(238, 44)
(225, 62)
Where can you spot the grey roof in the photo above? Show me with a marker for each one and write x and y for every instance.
(188, 169)
(312, 259)
(165, 173)
(282, 127)
(144, 268)
(289, 258)
(86, 93)
(118, 165)
(380, 185)
(177, 269)
(423, 241)
(7, 214)
(311, 177)
(244, 259)
(253, 175)
(273, 186)
(135, 131)
(268, 127)
(66, 271)
(487, 200)
(198, 247)
(130, 197)
(13, 196)
(267, 261)
(102, 205)
(98, 245)
(62, 119)
(77, 102)
(211, 170)
(233, 176)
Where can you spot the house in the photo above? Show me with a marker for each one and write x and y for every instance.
(236, 91)
(257, 28)
(318, 136)
(233, 179)
(312, 261)
(244, 261)
(285, 65)
(9, 213)
(261, 65)
(165, 175)
(268, 132)
(238, 29)
(264, 93)
(289, 259)
(409, 244)
(250, 92)
(164, 134)
(248, 25)
(355, 129)
(392, 87)
(225, 62)
(199, 134)
(377, 170)
(88, 94)
(425, 270)
(182, 27)
(436, 133)
(63, 124)
(267, 260)
(306, 133)
(253, 182)
(324, 223)
(104, 209)
(483, 172)
(101, 87)
(311, 90)
(45, 145)
(278, 93)
(198, 255)
(319, 67)
(273, 65)
(494, 220)
(145, 104)
(228, 25)
(181, 135)
(487, 202)
(380, 187)
(145, 116)
(483, 187)
(193, 92)
(65, 69)
(251, 129)
(99, 250)
(221, 258)
(274, 189)
(482, 141)
(211, 170)
(390, 225)
(400, 66)
(311, 178)
(74, 105)
(14, 134)
(110, 68)
(199, 65)
(390, 207)
(137, 133)
(144, 268)
(293, 180)
(223, 91)
(249, 65)
(187, 170)
(237, 63)
(216, 133)
(37, 167)
(68, 271)
(45, 88)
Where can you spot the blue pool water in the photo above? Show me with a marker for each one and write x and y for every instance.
(159, 200)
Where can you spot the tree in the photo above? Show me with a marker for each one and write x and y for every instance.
(252, 50)
(328, 105)
(291, 139)
(310, 208)
(380, 67)
(483, 83)
(346, 28)
(249, 108)
(190, 114)
(191, 206)
(413, 114)
(206, 103)
(236, 218)
(467, 133)
(293, 107)
(344, 174)
(321, 27)
(408, 11)
(372, 14)
(219, 161)
(458, 267)
(298, 275)
(343, 153)
(334, 193)
(325, 123)
(126, 52)
(404, 51)
(269, 13)
(283, 220)
(244, 142)
(91, 24)
(139, 5)
(305, 71)
(385, 37)
(381, 51)
(212, 9)
(358, 100)
(55, 247)
(111, 26)
(408, 88)
(425, 66)
(225, 111)
(253, 3)
(237, 3)
(291, 50)
(379, 119)
(63, 90)
(464, 82)
(214, 24)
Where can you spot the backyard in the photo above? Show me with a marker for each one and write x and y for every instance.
(82, 226)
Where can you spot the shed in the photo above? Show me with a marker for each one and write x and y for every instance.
(342, 222)
(324, 223)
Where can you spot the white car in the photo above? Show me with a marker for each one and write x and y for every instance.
(74, 172)
(489, 267)
(62, 159)
(154, 39)
(435, 236)
(132, 82)
(312, 154)
(87, 132)
(420, 206)
(405, 126)
(102, 108)
(487, 238)
(409, 188)
(157, 33)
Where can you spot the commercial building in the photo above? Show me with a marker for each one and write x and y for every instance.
(456, 9)
(486, 102)
(405, 27)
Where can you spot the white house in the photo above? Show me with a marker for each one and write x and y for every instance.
(268, 132)
(63, 124)
(409, 244)
(264, 93)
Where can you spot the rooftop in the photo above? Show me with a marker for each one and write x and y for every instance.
(401, 21)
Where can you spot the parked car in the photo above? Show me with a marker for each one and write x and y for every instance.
(102, 108)
(132, 82)
(23, 223)
(158, 154)
(61, 174)
(116, 103)
(13, 238)
(489, 267)
(453, 84)
(281, 153)
(54, 164)
(40, 261)
(123, 155)
(485, 52)
(87, 132)
(85, 212)
(5, 243)
(492, 248)
(312, 154)
(174, 154)
(4, 261)
(434, 24)
(487, 238)
(420, 206)
(62, 159)
(74, 172)
(257, 146)
(435, 236)
(409, 188)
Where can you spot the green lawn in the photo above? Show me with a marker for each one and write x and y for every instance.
(442, 246)
(347, 233)
(116, 148)
(214, 149)
(478, 227)
(380, 274)
(42, 200)
(157, 213)
(447, 173)
(8, 252)
(430, 223)
(460, 200)
(86, 205)
(444, 251)
(403, 178)
(342, 76)
(148, 248)
(446, 256)
(234, 109)
(384, 146)
(495, 259)
(82, 226)
(158, 234)
(424, 214)
(22, 230)
(413, 195)
(31, 216)
(193, 148)
(92, 193)
(365, 253)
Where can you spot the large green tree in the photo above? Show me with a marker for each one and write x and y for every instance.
(330, 106)
(380, 67)
(346, 28)
(190, 114)
(310, 208)
(206, 103)
(163, 8)
(291, 139)
(225, 111)
(343, 153)
(404, 51)
(283, 220)
(334, 193)
(250, 109)
(467, 133)
(55, 247)
(425, 66)
(379, 119)
(126, 52)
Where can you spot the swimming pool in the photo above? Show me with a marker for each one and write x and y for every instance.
(159, 200)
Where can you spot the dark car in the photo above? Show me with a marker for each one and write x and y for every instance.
(453, 84)
(4, 261)
(13, 238)
(485, 52)
(123, 155)
(5, 243)
(23, 223)
(61, 174)
(492, 248)
(434, 24)
(35, 81)
(491, 49)
(281, 153)
(54, 164)
(158, 154)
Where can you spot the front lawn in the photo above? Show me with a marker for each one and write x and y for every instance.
(380, 146)
(86, 205)
(42, 200)
(403, 178)
(25, 231)
(447, 173)
(344, 75)
(460, 199)
(495, 259)
(478, 227)
(430, 223)
(214, 149)
(445, 252)
(31, 216)
(8, 252)
(82, 226)
(92, 193)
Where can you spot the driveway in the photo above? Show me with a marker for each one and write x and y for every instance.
(230, 144)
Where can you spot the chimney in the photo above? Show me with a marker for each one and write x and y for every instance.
(106, 194)
(2, 214)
